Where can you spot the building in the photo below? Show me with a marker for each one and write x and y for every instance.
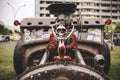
(87, 8)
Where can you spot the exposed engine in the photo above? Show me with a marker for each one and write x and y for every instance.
(62, 48)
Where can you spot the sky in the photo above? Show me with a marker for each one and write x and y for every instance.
(7, 12)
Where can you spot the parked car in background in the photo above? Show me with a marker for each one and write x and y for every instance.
(116, 39)
(11, 37)
(4, 38)
(1, 38)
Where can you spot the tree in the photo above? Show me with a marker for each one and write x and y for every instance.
(1, 29)
(117, 29)
(4, 31)
(7, 31)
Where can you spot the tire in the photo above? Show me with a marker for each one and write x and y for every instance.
(64, 70)
(106, 55)
(17, 59)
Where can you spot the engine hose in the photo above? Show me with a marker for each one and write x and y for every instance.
(73, 43)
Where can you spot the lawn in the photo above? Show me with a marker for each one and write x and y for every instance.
(115, 64)
(6, 61)
(7, 70)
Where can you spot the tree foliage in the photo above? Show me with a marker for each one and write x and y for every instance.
(117, 27)
(113, 27)
(4, 31)
(7, 31)
(1, 29)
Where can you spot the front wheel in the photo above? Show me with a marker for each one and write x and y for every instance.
(17, 59)
(63, 70)
(106, 55)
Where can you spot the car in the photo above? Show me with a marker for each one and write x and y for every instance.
(2, 38)
(62, 48)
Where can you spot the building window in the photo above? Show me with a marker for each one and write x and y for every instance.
(106, 5)
(98, 10)
(97, 4)
(77, 3)
(114, 11)
(114, 0)
(105, 0)
(98, 16)
(106, 17)
(47, 15)
(41, 8)
(41, 15)
(57, 2)
(49, 2)
(114, 6)
(114, 17)
(88, 10)
(41, 2)
(106, 11)
(77, 9)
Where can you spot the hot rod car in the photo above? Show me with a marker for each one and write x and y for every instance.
(62, 48)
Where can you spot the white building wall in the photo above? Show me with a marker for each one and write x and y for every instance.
(88, 8)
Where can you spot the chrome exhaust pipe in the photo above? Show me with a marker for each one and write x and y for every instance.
(80, 58)
(44, 58)
(99, 60)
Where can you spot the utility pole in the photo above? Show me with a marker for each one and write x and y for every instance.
(111, 9)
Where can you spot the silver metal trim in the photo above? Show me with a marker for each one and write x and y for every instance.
(80, 58)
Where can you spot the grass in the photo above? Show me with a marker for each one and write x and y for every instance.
(7, 70)
(115, 64)
(6, 61)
